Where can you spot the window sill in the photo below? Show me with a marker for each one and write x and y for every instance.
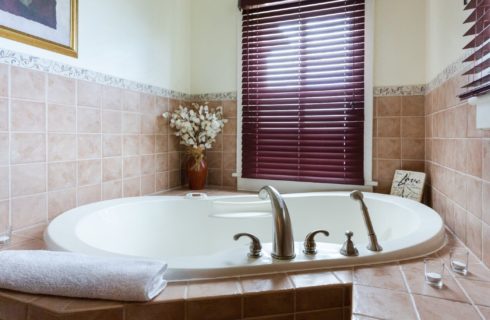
(482, 104)
(245, 184)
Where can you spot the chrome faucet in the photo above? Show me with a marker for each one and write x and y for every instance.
(283, 241)
(373, 241)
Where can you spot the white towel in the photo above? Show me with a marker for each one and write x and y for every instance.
(81, 276)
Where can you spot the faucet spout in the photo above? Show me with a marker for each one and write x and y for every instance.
(282, 241)
(373, 240)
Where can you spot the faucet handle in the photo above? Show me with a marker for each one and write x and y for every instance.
(310, 244)
(255, 246)
(348, 249)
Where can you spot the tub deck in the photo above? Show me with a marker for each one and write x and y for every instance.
(391, 291)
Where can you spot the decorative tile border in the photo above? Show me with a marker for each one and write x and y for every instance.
(450, 71)
(232, 95)
(53, 67)
(414, 90)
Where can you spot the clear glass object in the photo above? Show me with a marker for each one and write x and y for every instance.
(5, 235)
(459, 260)
(434, 272)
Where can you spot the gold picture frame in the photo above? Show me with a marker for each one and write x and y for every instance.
(69, 50)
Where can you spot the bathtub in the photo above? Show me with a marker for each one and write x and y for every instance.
(194, 234)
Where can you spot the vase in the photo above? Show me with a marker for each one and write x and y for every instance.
(197, 171)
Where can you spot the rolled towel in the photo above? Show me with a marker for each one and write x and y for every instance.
(81, 276)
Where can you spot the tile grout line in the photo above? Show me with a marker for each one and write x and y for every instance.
(46, 98)
(9, 141)
(409, 290)
(473, 304)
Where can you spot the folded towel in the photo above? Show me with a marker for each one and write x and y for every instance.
(81, 276)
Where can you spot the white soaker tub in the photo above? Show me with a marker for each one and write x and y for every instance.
(195, 236)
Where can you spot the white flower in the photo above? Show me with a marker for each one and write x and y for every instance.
(197, 126)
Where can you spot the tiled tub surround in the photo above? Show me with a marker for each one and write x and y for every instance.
(394, 291)
(399, 139)
(458, 165)
(66, 142)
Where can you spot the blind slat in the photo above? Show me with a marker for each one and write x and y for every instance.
(479, 32)
(303, 91)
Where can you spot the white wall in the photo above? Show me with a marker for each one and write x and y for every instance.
(214, 45)
(399, 44)
(146, 41)
(399, 47)
(445, 31)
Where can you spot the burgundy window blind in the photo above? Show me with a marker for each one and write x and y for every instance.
(303, 90)
(479, 33)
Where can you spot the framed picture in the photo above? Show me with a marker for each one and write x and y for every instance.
(48, 24)
(408, 184)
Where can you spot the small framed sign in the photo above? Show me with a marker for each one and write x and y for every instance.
(408, 184)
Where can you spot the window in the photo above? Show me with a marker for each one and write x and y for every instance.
(479, 32)
(303, 90)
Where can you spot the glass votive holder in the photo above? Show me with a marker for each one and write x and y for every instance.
(459, 260)
(5, 235)
(434, 272)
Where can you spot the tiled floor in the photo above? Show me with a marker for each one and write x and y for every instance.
(394, 291)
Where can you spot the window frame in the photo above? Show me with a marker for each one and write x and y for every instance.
(247, 184)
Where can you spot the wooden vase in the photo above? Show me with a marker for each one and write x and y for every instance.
(197, 172)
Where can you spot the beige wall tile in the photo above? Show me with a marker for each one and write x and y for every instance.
(28, 84)
(89, 194)
(61, 118)
(131, 101)
(148, 124)
(474, 235)
(162, 144)
(4, 80)
(62, 175)
(388, 148)
(389, 127)
(412, 127)
(28, 147)
(132, 187)
(112, 98)
(28, 116)
(112, 190)
(148, 165)
(162, 181)
(4, 114)
(61, 201)
(4, 149)
(131, 123)
(111, 121)
(131, 145)
(61, 90)
(131, 167)
(89, 94)
(148, 184)
(474, 157)
(486, 160)
(413, 105)
(4, 183)
(89, 146)
(147, 144)
(28, 211)
(111, 145)
(147, 104)
(111, 169)
(388, 106)
(89, 172)
(28, 179)
(62, 147)
(486, 244)
(161, 162)
(88, 120)
(4, 215)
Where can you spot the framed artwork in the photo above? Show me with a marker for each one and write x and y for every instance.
(48, 24)
(408, 184)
